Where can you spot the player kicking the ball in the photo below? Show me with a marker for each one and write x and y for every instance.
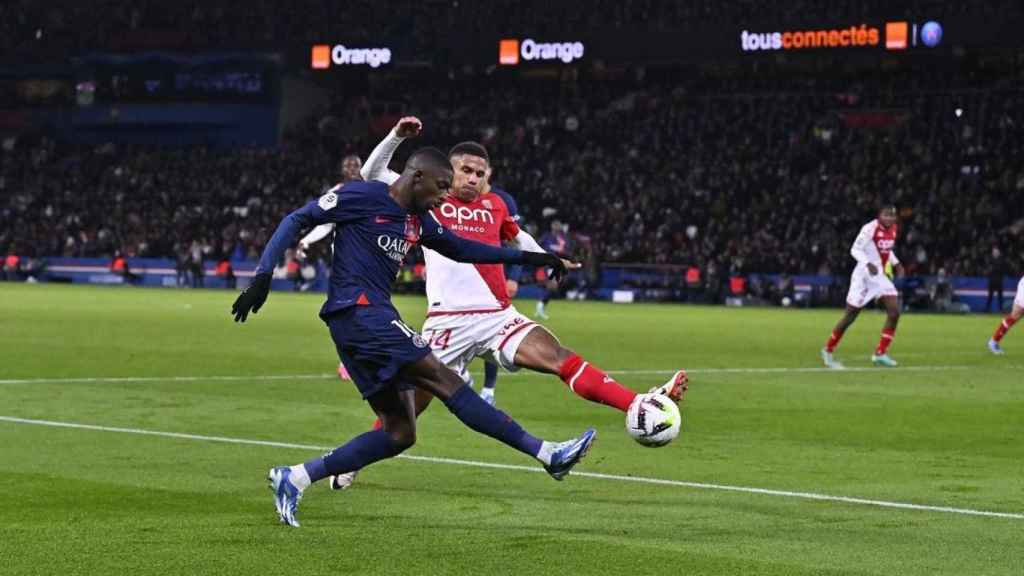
(469, 312)
(873, 250)
(1004, 326)
(376, 225)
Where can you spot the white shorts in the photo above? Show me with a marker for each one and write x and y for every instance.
(864, 287)
(1018, 300)
(457, 339)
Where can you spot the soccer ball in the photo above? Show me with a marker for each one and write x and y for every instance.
(653, 420)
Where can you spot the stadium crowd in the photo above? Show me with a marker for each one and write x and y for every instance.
(727, 177)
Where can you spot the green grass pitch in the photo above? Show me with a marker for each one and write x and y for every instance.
(946, 429)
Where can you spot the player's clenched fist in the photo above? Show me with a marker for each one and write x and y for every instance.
(408, 127)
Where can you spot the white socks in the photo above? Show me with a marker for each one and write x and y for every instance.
(546, 450)
(299, 477)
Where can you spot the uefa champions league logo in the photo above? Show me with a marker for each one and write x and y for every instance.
(931, 34)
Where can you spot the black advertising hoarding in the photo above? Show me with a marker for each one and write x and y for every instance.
(713, 41)
(882, 37)
(618, 47)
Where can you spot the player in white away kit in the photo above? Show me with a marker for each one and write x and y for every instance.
(1004, 326)
(469, 313)
(873, 250)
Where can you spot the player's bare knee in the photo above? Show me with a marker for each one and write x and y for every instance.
(560, 356)
(429, 375)
(447, 383)
(423, 399)
(403, 436)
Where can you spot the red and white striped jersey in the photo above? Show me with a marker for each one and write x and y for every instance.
(459, 288)
(875, 244)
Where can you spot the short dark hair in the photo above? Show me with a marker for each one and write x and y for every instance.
(471, 148)
(887, 206)
(429, 156)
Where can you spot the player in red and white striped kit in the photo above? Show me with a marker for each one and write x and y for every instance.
(469, 313)
(1010, 320)
(873, 250)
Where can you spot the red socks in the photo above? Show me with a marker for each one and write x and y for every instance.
(833, 341)
(589, 382)
(1003, 327)
(885, 341)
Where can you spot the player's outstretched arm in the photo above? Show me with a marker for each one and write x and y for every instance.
(444, 241)
(527, 242)
(317, 212)
(376, 167)
(315, 235)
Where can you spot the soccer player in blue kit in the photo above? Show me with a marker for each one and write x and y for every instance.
(377, 224)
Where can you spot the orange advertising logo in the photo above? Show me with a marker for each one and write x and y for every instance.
(512, 51)
(896, 35)
(324, 56)
(508, 52)
(321, 56)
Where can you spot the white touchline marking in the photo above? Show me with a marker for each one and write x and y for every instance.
(478, 464)
(117, 379)
(522, 374)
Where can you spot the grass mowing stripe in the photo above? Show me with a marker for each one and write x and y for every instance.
(779, 370)
(477, 464)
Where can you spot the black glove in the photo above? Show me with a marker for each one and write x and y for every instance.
(546, 260)
(252, 298)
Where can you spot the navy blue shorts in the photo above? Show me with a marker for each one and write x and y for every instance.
(375, 344)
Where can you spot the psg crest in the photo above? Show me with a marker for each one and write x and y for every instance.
(412, 229)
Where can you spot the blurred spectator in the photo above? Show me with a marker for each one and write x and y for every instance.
(997, 271)
(119, 265)
(227, 272)
(941, 291)
(785, 289)
(195, 264)
(181, 266)
(12, 268)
